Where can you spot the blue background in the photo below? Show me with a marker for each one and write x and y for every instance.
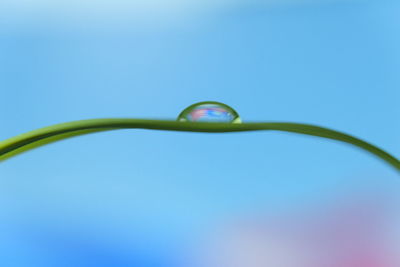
(135, 196)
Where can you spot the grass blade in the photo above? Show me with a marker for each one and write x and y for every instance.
(28, 141)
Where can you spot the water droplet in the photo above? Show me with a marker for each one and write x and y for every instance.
(209, 111)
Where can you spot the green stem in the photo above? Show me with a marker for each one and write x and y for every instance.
(21, 143)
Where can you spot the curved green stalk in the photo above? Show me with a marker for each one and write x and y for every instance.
(21, 143)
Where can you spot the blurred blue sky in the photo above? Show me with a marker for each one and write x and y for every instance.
(330, 63)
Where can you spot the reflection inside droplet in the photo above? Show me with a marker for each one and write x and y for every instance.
(209, 112)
